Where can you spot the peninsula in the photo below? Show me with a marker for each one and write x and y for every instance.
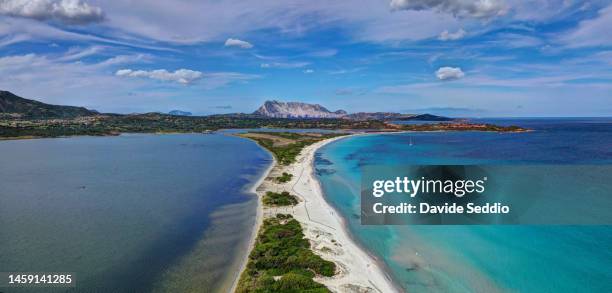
(302, 242)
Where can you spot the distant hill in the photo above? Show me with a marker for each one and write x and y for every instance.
(179, 113)
(277, 109)
(378, 116)
(388, 116)
(13, 104)
(427, 117)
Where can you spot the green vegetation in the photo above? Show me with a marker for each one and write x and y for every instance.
(20, 107)
(282, 261)
(279, 199)
(285, 154)
(462, 127)
(14, 126)
(289, 135)
(286, 177)
(110, 124)
(287, 145)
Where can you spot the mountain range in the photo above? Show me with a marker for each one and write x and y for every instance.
(11, 104)
(277, 109)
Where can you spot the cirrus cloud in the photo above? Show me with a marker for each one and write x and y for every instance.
(66, 11)
(449, 73)
(591, 32)
(458, 8)
(238, 43)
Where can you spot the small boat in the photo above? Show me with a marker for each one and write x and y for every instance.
(410, 142)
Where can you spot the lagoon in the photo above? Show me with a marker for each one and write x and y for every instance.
(131, 213)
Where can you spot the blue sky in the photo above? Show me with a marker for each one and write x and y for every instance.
(484, 58)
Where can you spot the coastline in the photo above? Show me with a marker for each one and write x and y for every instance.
(258, 220)
(358, 270)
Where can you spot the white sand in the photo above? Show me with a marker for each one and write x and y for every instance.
(357, 270)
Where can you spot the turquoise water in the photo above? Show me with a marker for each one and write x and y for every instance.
(479, 258)
(133, 213)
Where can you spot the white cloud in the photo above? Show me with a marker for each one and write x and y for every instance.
(53, 79)
(458, 8)
(238, 43)
(307, 71)
(449, 73)
(182, 76)
(193, 22)
(67, 11)
(592, 32)
(210, 80)
(446, 36)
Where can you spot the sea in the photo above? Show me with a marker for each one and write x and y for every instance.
(129, 213)
(479, 258)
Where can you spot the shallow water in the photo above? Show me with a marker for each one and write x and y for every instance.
(479, 258)
(131, 213)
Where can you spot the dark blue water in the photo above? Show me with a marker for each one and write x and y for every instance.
(480, 258)
(133, 213)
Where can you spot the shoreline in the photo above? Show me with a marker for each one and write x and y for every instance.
(258, 220)
(323, 226)
(381, 265)
(379, 131)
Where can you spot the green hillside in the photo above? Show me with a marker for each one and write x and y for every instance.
(13, 104)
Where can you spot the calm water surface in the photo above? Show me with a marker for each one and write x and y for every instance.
(132, 213)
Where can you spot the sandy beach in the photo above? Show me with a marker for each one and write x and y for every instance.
(358, 271)
(258, 221)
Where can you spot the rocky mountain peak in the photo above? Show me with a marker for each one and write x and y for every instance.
(278, 109)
